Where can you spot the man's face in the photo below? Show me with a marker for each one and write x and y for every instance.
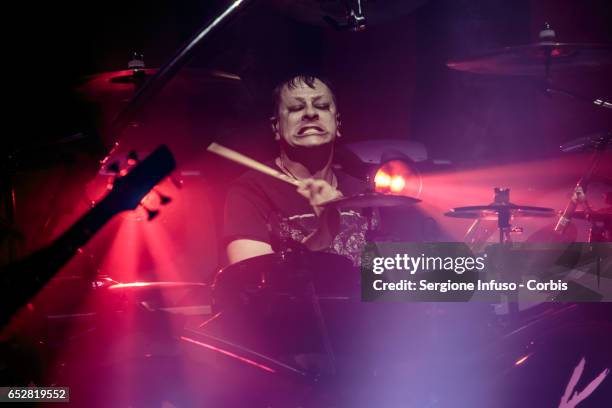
(307, 117)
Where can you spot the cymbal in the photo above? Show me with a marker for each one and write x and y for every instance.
(140, 286)
(531, 59)
(117, 84)
(371, 200)
(489, 212)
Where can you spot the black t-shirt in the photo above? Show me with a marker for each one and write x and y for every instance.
(262, 208)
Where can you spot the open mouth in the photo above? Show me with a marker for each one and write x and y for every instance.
(310, 129)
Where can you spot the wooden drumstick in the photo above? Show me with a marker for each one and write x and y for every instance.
(250, 163)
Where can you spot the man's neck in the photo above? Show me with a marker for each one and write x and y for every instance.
(306, 163)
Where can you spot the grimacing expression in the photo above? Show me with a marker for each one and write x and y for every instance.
(307, 116)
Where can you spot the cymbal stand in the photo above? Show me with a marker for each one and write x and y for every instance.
(311, 294)
(600, 231)
(502, 197)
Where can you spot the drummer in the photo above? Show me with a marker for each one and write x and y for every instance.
(261, 212)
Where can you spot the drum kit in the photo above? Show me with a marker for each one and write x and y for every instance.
(282, 313)
(257, 284)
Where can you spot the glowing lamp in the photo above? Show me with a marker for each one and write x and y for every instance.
(397, 184)
(398, 177)
(382, 180)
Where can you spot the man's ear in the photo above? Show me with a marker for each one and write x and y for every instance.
(274, 124)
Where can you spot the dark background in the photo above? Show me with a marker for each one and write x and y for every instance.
(391, 79)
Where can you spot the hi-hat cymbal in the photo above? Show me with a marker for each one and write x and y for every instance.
(371, 200)
(531, 59)
(491, 211)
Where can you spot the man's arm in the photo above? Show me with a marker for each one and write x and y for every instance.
(241, 249)
(318, 192)
(245, 214)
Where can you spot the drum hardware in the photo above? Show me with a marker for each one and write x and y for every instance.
(240, 353)
(601, 223)
(371, 200)
(322, 328)
(262, 285)
(355, 18)
(538, 59)
(346, 14)
(501, 210)
(600, 229)
(590, 142)
(159, 79)
(591, 101)
(541, 59)
(508, 210)
(119, 86)
(578, 197)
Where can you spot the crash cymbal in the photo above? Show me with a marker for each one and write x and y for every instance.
(531, 59)
(122, 84)
(490, 212)
(371, 200)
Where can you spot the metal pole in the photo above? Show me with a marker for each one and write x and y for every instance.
(156, 83)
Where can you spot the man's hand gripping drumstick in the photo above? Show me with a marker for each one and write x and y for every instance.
(317, 192)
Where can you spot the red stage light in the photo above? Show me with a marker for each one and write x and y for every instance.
(398, 177)
(397, 184)
(382, 180)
